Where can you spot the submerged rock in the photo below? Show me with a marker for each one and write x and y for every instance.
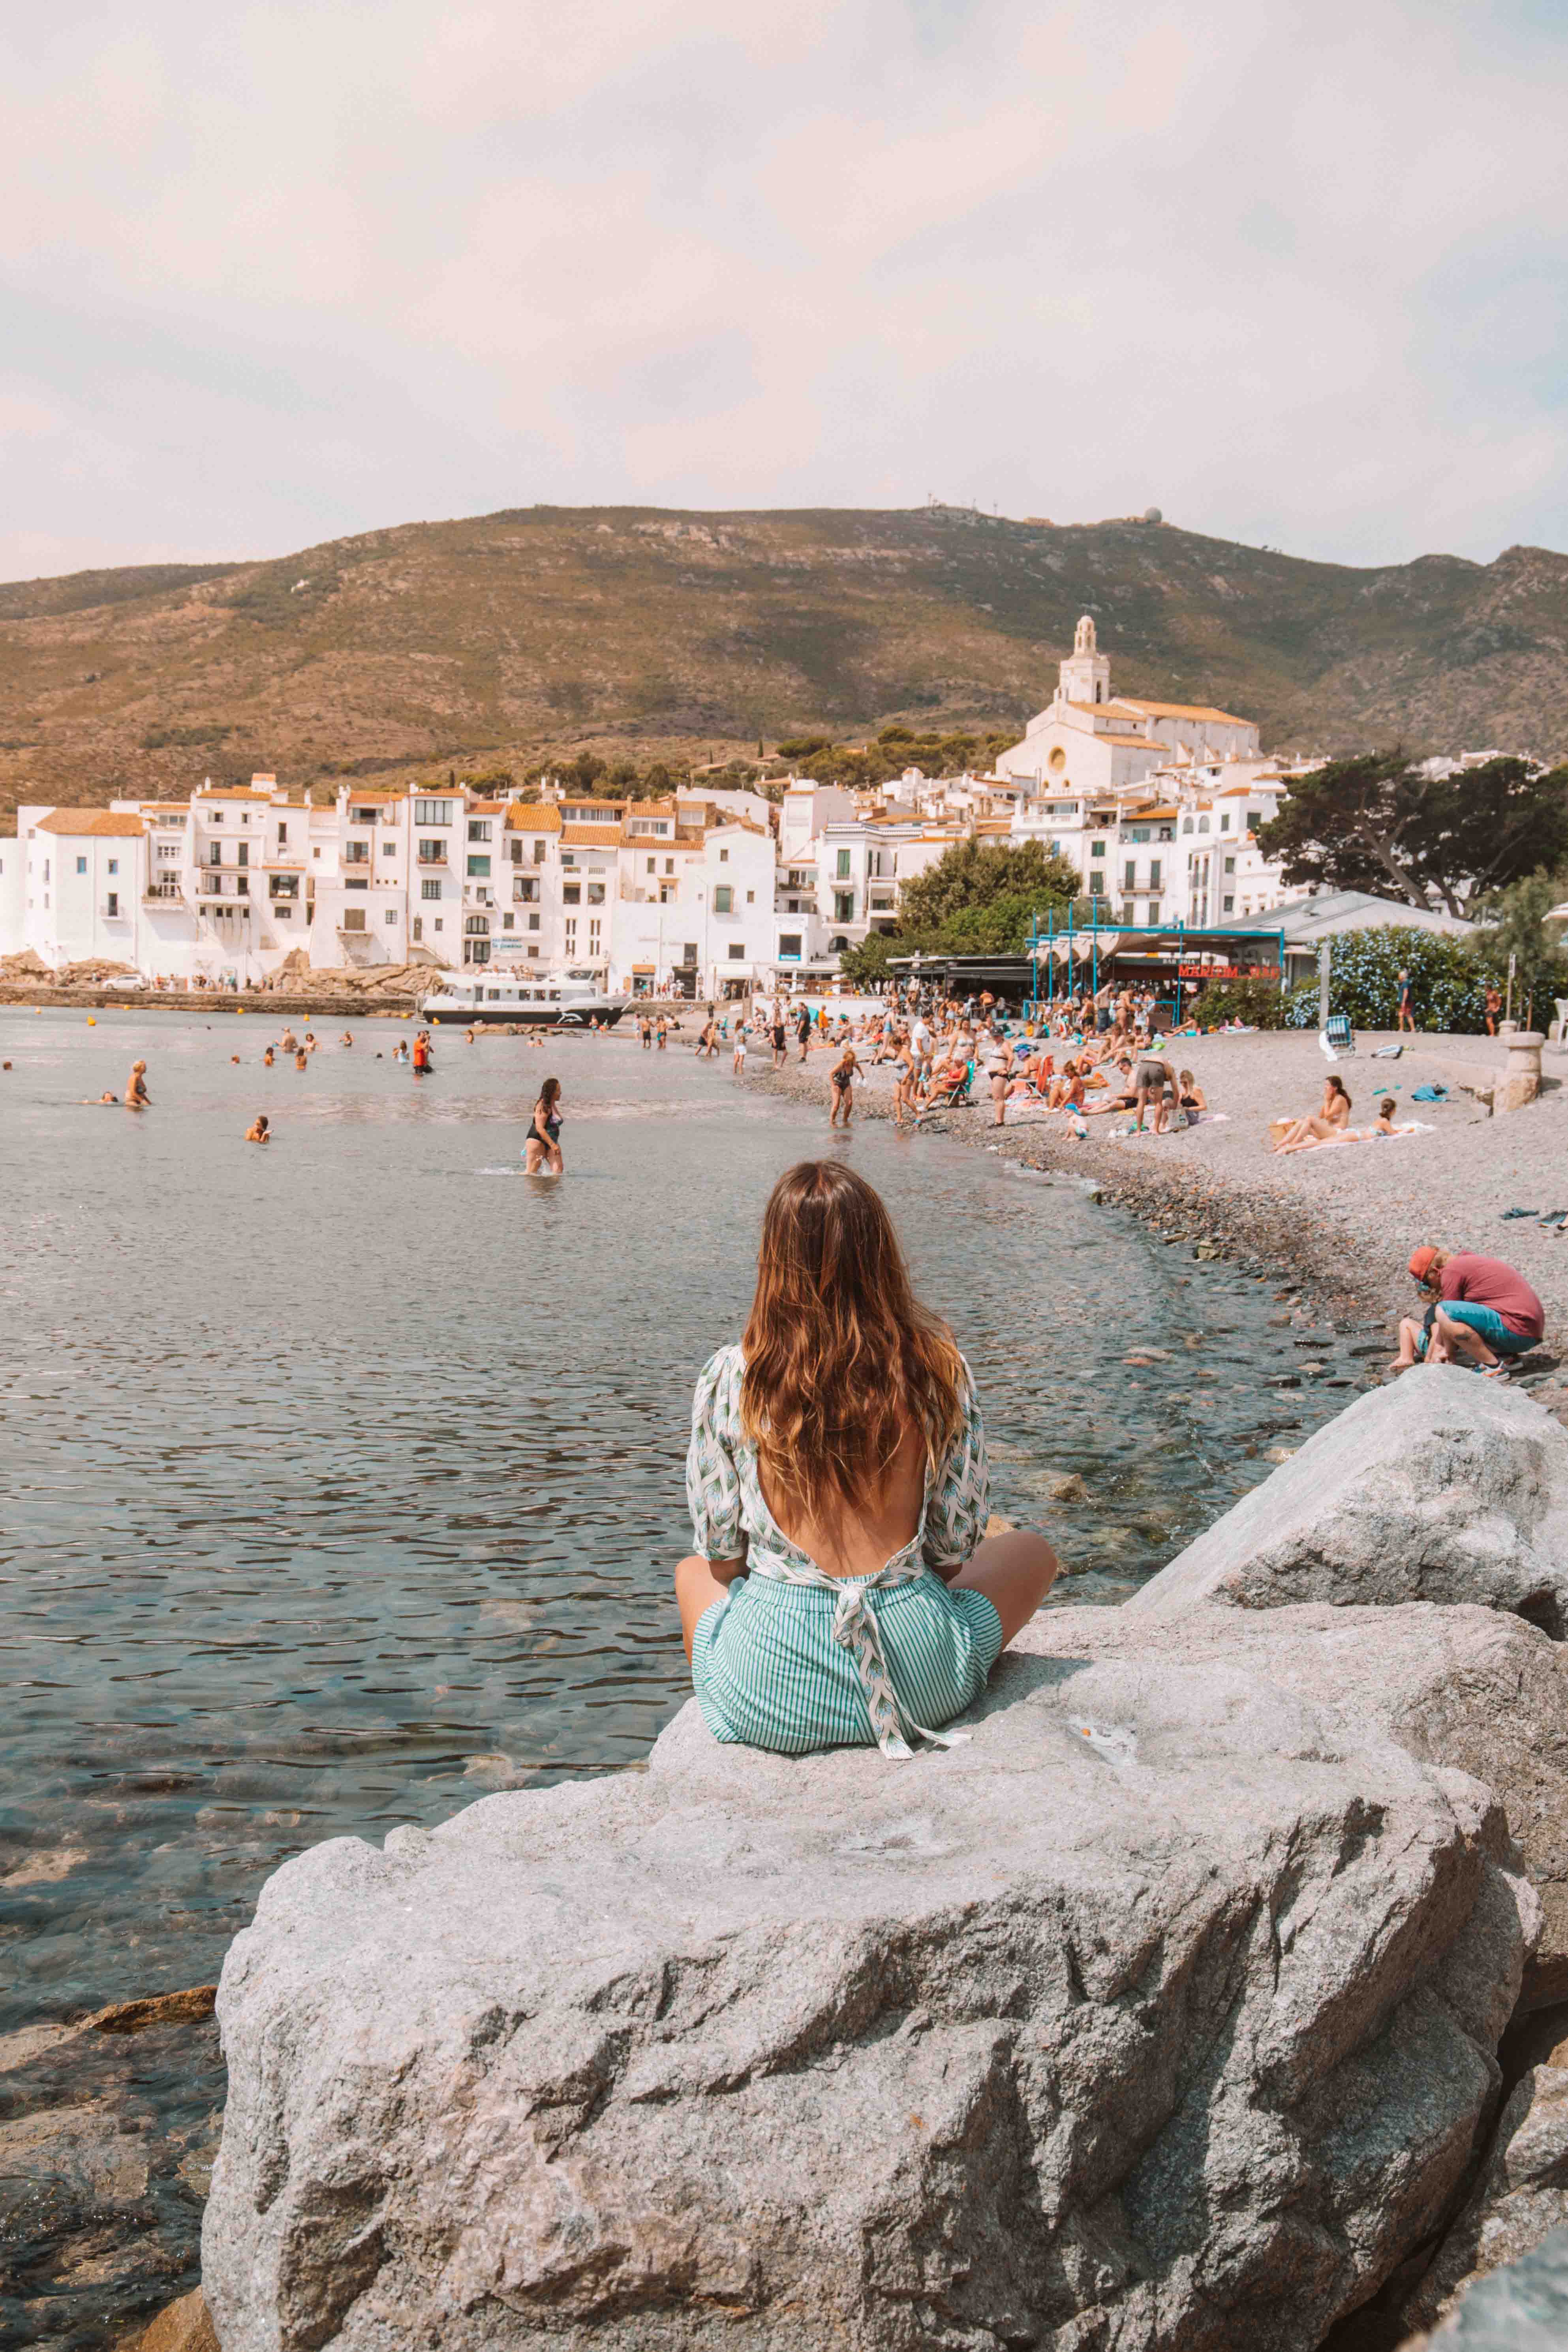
(1441, 1487)
(182, 2327)
(1161, 2013)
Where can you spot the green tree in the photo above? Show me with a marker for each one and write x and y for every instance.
(1493, 826)
(968, 879)
(1372, 824)
(871, 963)
(1513, 922)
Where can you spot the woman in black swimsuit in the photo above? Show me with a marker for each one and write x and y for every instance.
(541, 1152)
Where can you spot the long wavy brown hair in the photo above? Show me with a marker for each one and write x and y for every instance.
(841, 1361)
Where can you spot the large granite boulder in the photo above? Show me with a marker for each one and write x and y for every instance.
(1438, 1487)
(1468, 1687)
(1160, 2014)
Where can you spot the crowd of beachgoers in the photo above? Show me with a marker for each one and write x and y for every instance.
(1089, 1055)
(1108, 1057)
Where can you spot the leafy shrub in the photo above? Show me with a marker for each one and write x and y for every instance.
(1448, 975)
(1254, 999)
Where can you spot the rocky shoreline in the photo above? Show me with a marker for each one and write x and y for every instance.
(1212, 1992)
(1181, 1204)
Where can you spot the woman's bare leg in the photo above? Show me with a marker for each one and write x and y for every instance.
(1014, 1571)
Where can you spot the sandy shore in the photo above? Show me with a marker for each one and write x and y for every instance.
(1338, 1223)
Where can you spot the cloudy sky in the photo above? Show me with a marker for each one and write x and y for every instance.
(1295, 273)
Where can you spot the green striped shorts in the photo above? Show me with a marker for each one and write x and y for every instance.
(768, 1672)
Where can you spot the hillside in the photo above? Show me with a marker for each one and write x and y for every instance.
(476, 642)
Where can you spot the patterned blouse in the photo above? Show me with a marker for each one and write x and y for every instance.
(731, 1519)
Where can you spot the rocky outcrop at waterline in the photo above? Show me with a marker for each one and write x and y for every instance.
(1163, 2000)
(1442, 1487)
(1166, 2013)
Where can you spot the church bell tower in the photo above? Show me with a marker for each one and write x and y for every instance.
(1086, 675)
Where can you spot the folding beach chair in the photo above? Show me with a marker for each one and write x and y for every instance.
(954, 1097)
(1337, 1038)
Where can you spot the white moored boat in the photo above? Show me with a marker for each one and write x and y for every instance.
(532, 999)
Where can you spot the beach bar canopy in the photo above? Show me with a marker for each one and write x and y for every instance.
(1170, 957)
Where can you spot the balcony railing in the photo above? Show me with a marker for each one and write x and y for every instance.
(163, 890)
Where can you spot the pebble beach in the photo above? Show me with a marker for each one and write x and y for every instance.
(1339, 1222)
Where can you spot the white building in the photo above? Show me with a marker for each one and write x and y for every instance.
(82, 875)
(1155, 805)
(1087, 740)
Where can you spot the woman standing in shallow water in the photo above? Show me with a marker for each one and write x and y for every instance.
(541, 1152)
(842, 1591)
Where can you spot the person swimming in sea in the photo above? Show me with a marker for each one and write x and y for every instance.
(258, 1131)
(136, 1094)
(301, 1059)
(268, 1058)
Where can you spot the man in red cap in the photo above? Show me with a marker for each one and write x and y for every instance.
(1483, 1313)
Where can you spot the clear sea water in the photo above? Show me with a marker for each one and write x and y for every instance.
(343, 1480)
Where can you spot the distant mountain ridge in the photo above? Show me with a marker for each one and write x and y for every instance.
(476, 642)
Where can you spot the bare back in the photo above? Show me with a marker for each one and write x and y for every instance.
(861, 1542)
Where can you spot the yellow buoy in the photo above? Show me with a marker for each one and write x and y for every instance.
(92, 1020)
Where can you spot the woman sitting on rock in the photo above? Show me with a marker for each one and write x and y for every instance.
(842, 1591)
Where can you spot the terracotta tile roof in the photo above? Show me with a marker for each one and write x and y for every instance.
(532, 816)
(1137, 742)
(486, 808)
(82, 823)
(590, 836)
(1188, 710)
(1116, 709)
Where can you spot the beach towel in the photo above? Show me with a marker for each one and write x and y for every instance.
(1371, 1135)
(1433, 1092)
